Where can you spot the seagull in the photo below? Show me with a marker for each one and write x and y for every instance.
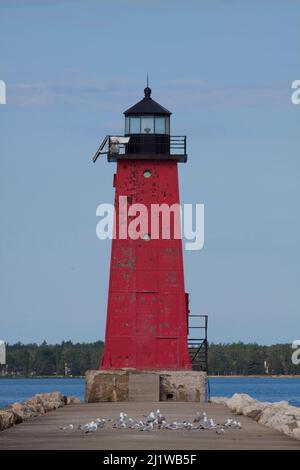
(136, 426)
(118, 422)
(236, 424)
(82, 427)
(187, 425)
(151, 417)
(160, 420)
(211, 423)
(173, 425)
(204, 424)
(154, 421)
(163, 424)
(122, 425)
(92, 427)
(228, 422)
(220, 431)
(88, 427)
(121, 417)
(148, 427)
(100, 423)
(69, 427)
(129, 423)
(199, 416)
(159, 415)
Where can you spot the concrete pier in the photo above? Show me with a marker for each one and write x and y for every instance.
(44, 432)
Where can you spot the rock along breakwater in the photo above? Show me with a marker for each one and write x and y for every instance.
(279, 415)
(38, 405)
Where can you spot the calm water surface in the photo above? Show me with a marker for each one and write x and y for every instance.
(263, 389)
(12, 390)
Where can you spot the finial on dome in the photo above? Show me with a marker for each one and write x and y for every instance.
(147, 90)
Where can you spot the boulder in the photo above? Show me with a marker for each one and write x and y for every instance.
(254, 410)
(239, 401)
(219, 400)
(36, 406)
(283, 417)
(242, 404)
(296, 433)
(21, 411)
(52, 401)
(7, 419)
(73, 400)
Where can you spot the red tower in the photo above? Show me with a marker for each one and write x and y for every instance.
(147, 311)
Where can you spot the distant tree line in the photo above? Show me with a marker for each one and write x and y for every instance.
(74, 359)
(53, 359)
(251, 359)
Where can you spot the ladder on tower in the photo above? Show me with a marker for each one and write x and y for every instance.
(197, 341)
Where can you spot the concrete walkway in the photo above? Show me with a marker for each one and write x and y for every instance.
(44, 432)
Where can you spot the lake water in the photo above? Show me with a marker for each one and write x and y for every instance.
(12, 390)
(264, 389)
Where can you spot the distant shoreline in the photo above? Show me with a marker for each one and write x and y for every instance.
(262, 376)
(42, 377)
(257, 376)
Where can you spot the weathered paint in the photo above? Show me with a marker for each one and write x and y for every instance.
(147, 317)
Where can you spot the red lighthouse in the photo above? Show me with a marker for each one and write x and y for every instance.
(147, 310)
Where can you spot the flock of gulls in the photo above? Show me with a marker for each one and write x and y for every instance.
(154, 421)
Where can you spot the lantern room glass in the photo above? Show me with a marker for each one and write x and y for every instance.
(147, 125)
(160, 125)
(135, 125)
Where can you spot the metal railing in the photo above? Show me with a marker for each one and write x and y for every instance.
(149, 143)
(154, 144)
(178, 143)
(198, 347)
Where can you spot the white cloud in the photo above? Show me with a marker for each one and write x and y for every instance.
(113, 94)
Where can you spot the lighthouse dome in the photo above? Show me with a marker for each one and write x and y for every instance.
(147, 117)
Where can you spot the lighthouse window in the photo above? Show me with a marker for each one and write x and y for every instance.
(135, 125)
(147, 125)
(147, 174)
(160, 127)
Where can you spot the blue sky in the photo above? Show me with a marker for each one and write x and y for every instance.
(224, 68)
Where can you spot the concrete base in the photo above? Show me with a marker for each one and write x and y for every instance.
(141, 385)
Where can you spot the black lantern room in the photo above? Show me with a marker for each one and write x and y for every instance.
(147, 135)
(147, 123)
